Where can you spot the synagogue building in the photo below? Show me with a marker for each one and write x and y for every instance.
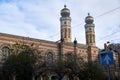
(51, 50)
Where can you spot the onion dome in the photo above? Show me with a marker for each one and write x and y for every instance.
(89, 19)
(65, 12)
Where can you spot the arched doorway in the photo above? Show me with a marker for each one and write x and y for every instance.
(45, 77)
(54, 78)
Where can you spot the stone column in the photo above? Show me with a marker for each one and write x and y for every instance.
(41, 78)
(14, 77)
(33, 78)
(49, 77)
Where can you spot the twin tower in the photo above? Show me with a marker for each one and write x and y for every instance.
(65, 22)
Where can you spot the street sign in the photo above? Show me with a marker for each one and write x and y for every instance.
(107, 58)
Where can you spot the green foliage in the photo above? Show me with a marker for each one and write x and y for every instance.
(20, 63)
(68, 66)
(60, 68)
(10, 66)
(91, 71)
(76, 67)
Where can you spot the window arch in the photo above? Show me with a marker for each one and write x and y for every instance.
(65, 22)
(49, 58)
(69, 32)
(70, 57)
(5, 52)
(65, 31)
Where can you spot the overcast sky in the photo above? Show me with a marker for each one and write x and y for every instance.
(40, 19)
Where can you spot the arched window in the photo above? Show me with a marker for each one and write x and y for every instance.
(65, 31)
(70, 57)
(69, 32)
(65, 22)
(90, 38)
(49, 58)
(5, 52)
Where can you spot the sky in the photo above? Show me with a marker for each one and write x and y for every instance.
(41, 19)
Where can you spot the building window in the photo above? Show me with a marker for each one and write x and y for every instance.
(94, 52)
(65, 31)
(68, 22)
(90, 38)
(70, 57)
(69, 32)
(5, 52)
(80, 51)
(83, 51)
(49, 58)
(90, 29)
(65, 22)
(87, 39)
(94, 38)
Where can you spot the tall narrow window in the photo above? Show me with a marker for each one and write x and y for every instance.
(65, 32)
(49, 58)
(70, 57)
(94, 38)
(69, 32)
(5, 52)
(62, 33)
(87, 39)
(90, 38)
(65, 22)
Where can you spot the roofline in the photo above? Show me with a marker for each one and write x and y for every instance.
(40, 40)
(25, 38)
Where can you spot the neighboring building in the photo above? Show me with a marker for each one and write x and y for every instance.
(115, 68)
(50, 50)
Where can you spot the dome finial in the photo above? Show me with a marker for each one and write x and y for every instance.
(65, 6)
(88, 14)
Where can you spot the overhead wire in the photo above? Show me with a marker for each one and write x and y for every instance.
(109, 35)
(105, 14)
(108, 12)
